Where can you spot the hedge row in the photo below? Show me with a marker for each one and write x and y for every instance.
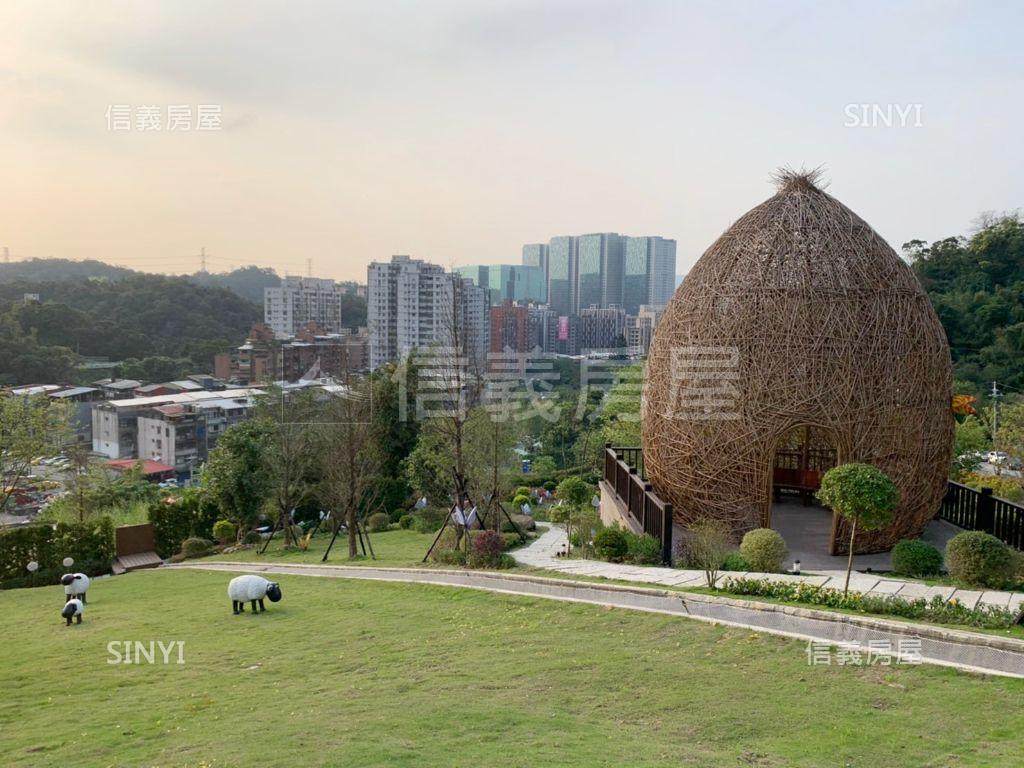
(183, 519)
(90, 544)
(935, 610)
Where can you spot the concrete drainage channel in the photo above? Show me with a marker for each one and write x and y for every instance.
(987, 654)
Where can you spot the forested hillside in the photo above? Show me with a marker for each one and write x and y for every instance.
(977, 287)
(140, 317)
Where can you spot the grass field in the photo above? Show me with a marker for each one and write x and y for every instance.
(371, 674)
(393, 548)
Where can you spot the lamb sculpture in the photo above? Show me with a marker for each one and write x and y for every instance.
(73, 609)
(253, 589)
(75, 585)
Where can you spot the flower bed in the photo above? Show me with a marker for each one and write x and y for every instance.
(936, 610)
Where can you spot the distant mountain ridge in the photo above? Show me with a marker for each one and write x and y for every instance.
(247, 282)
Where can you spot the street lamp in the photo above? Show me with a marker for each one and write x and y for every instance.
(32, 567)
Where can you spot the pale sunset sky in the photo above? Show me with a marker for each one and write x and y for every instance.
(457, 131)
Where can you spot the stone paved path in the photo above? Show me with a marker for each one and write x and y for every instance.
(542, 554)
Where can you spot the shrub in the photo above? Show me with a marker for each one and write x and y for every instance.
(406, 522)
(195, 547)
(486, 549)
(377, 522)
(735, 561)
(423, 525)
(446, 543)
(611, 544)
(90, 543)
(523, 490)
(708, 544)
(642, 549)
(913, 557)
(252, 538)
(979, 559)
(190, 515)
(935, 610)
(764, 549)
(519, 500)
(550, 486)
(450, 557)
(224, 531)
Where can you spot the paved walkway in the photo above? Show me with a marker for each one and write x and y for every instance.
(808, 534)
(541, 554)
(906, 642)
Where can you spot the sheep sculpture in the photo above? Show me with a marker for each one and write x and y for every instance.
(75, 585)
(73, 609)
(252, 589)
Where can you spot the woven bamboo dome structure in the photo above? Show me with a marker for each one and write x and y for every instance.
(799, 318)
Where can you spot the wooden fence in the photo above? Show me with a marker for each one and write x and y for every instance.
(981, 511)
(624, 472)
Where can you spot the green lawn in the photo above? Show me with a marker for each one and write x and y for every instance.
(392, 548)
(347, 673)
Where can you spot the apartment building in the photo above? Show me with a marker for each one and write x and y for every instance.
(299, 301)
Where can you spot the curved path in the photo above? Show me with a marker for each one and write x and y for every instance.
(541, 553)
(988, 654)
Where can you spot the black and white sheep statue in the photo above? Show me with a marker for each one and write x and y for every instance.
(75, 585)
(73, 609)
(252, 589)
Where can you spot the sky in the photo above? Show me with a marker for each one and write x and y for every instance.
(458, 131)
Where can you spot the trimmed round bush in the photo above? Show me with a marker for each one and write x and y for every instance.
(406, 521)
(979, 559)
(913, 557)
(764, 550)
(224, 531)
(195, 547)
(611, 544)
(252, 538)
(519, 500)
(378, 522)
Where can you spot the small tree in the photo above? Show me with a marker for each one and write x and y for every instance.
(864, 496)
(710, 542)
(573, 493)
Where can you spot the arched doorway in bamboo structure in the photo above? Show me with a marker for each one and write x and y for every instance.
(802, 455)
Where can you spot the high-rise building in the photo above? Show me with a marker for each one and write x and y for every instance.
(562, 266)
(414, 305)
(509, 282)
(536, 255)
(601, 328)
(649, 269)
(599, 271)
(662, 272)
(605, 269)
(519, 327)
(639, 330)
(299, 301)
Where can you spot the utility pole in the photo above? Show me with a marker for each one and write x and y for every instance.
(996, 394)
(202, 259)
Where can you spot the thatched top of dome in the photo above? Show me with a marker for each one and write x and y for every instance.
(802, 238)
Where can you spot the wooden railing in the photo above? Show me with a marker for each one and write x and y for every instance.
(624, 472)
(981, 511)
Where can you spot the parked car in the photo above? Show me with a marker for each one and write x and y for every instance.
(996, 457)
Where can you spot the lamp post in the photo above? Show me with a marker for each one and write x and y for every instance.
(32, 567)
